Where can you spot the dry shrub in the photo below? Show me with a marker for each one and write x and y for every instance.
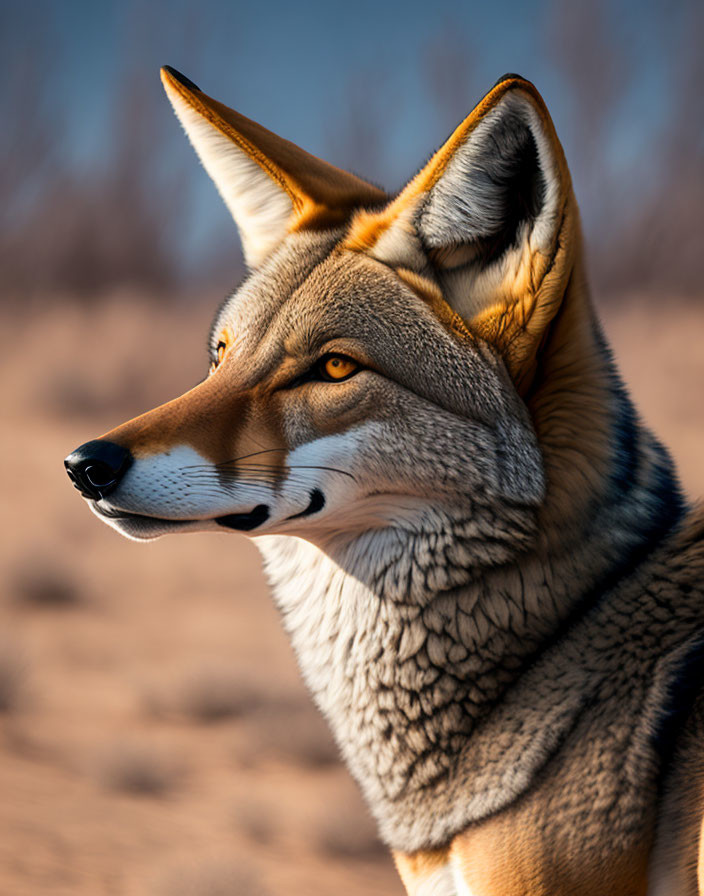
(344, 834)
(12, 677)
(154, 701)
(255, 821)
(139, 768)
(294, 734)
(211, 878)
(215, 693)
(38, 581)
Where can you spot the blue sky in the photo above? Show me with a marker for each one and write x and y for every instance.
(311, 70)
(290, 65)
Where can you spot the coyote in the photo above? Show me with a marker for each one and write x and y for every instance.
(483, 558)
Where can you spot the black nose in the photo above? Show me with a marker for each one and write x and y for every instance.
(97, 467)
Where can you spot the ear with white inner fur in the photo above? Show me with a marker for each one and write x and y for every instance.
(271, 186)
(490, 218)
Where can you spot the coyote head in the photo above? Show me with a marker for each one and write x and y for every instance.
(389, 363)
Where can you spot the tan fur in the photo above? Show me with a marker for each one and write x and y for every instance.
(681, 821)
(567, 397)
(216, 424)
(415, 869)
(503, 857)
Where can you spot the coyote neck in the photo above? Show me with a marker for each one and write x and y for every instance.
(424, 697)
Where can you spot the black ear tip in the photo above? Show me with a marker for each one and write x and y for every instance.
(509, 76)
(182, 79)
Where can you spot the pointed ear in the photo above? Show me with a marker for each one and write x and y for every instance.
(270, 185)
(492, 218)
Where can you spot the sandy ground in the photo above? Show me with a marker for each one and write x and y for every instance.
(154, 734)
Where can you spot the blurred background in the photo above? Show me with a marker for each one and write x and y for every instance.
(154, 735)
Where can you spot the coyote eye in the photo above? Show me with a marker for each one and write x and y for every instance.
(337, 367)
(220, 354)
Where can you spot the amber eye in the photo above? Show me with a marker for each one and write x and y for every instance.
(337, 367)
(220, 354)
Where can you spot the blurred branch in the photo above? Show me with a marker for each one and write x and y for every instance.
(641, 223)
(121, 219)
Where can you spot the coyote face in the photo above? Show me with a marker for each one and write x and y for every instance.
(345, 394)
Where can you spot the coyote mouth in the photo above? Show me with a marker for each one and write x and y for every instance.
(244, 522)
(142, 525)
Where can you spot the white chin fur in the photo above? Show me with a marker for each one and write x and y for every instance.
(145, 528)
